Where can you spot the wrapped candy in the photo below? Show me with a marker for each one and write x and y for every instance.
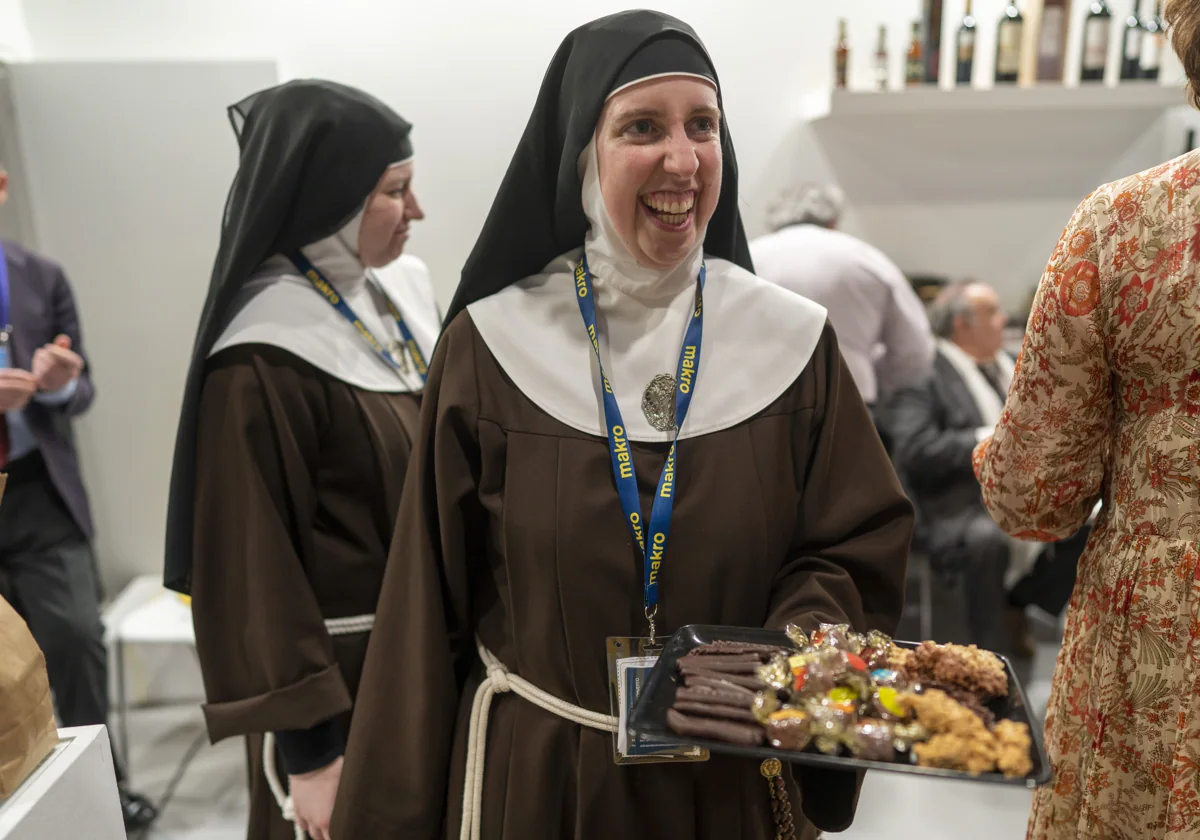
(871, 739)
(822, 670)
(855, 642)
(887, 705)
(776, 674)
(876, 658)
(880, 640)
(904, 735)
(797, 636)
(888, 677)
(831, 635)
(789, 729)
(856, 675)
(845, 699)
(765, 704)
(829, 722)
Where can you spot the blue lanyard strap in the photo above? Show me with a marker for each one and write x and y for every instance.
(322, 285)
(618, 441)
(5, 323)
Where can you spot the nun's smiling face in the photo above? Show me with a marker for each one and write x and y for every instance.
(391, 208)
(658, 146)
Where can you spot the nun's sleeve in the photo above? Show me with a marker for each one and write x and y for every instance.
(394, 781)
(849, 555)
(266, 657)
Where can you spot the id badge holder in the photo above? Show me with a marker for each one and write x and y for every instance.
(630, 661)
(5, 336)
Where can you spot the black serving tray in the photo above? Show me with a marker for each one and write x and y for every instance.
(649, 717)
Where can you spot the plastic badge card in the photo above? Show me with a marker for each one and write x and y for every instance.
(630, 661)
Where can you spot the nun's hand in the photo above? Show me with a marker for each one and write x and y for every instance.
(312, 798)
(56, 365)
(17, 387)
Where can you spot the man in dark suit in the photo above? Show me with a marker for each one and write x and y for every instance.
(45, 521)
(935, 425)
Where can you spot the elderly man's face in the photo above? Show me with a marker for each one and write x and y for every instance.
(982, 331)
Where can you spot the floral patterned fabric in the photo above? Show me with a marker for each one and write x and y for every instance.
(1105, 403)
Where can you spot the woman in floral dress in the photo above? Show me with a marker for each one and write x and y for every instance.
(1105, 404)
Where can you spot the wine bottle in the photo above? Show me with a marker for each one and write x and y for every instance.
(1153, 39)
(881, 59)
(1052, 40)
(1096, 32)
(932, 50)
(841, 56)
(1131, 44)
(914, 72)
(965, 48)
(1008, 44)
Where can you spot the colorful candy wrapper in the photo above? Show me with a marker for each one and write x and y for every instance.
(889, 678)
(870, 739)
(887, 705)
(766, 703)
(831, 635)
(777, 674)
(825, 667)
(789, 729)
(797, 636)
(829, 724)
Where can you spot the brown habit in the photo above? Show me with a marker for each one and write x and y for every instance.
(298, 480)
(511, 529)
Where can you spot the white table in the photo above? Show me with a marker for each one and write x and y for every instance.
(72, 795)
(145, 613)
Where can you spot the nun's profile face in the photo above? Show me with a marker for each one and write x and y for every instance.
(658, 147)
(391, 208)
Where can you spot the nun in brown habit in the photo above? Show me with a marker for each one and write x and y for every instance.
(512, 561)
(298, 420)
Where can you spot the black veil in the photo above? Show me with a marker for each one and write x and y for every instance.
(538, 211)
(311, 152)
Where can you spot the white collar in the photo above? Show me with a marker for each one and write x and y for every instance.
(279, 307)
(758, 338)
(984, 395)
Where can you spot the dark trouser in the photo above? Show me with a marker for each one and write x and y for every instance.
(980, 554)
(50, 577)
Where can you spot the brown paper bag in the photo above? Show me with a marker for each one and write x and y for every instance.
(27, 729)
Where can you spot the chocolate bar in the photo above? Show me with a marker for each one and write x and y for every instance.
(724, 664)
(745, 734)
(752, 683)
(725, 648)
(715, 710)
(700, 681)
(735, 696)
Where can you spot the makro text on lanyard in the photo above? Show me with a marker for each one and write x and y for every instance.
(618, 442)
(322, 285)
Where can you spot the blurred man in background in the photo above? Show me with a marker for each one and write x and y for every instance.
(879, 320)
(935, 424)
(46, 564)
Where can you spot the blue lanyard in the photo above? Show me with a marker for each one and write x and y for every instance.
(330, 294)
(5, 324)
(618, 442)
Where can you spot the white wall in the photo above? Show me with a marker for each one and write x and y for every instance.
(128, 166)
(15, 43)
(468, 87)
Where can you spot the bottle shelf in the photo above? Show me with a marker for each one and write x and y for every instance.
(998, 144)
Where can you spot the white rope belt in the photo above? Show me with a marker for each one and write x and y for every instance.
(348, 626)
(499, 681)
